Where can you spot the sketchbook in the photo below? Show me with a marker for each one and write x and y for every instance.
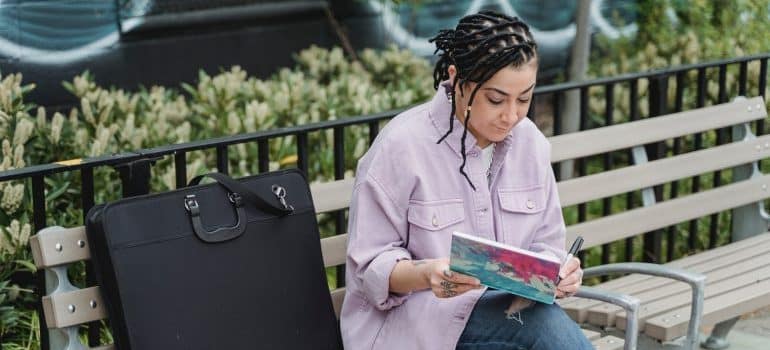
(518, 271)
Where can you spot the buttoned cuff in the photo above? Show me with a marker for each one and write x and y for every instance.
(376, 279)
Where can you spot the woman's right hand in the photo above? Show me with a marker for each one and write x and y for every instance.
(446, 283)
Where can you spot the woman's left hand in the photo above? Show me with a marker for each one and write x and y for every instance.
(571, 278)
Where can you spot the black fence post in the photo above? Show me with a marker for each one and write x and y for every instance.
(263, 155)
(87, 194)
(302, 161)
(39, 223)
(609, 109)
(374, 130)
(339, 174)
(556, 122)
(633, 106)
(658, 98)
(582, 162)
(223, 164)
(135, 176)
(180, 169)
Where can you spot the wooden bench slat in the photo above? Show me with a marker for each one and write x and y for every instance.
(636, 221)
(717, 267)
(723, 307)
(54, 246)
(591, 335)
(605, 314)
(57, 310)
(748, 248)
(627, 135)
(331, 196)
(334, 250)
(338, 295)
(608, 343)
(605, 184)
(684, 263)
(683, 299)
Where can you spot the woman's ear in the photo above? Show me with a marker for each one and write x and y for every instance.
(452, 71)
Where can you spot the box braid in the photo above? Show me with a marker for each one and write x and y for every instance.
(479, 47)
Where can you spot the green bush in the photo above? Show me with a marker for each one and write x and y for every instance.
(323, 85)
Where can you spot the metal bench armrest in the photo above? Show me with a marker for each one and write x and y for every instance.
(627, 302)
(696, 281)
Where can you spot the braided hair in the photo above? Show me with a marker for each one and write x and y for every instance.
(479, 47)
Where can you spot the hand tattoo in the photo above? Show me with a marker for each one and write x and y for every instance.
(448, 285)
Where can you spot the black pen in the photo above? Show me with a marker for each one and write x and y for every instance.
(572, 251)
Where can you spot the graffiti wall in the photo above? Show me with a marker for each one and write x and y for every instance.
(126, 43)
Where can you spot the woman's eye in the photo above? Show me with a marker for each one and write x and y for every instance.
(494, 101)
(524, 100)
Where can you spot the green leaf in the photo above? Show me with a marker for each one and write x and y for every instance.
(58, 192)
(28, 265)
(190, 89)
(68, 86)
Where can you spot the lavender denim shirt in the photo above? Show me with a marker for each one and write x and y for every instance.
(406, 183)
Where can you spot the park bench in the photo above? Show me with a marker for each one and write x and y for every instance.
(66, 307)
(737, 275)
(733, 278)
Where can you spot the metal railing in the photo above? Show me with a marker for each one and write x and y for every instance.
(135, 182)
(658, 102)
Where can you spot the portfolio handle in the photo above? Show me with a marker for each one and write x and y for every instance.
(279, 208)
(223, 233)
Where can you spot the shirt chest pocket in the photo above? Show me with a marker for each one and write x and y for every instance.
(521, 213)
(435, 215)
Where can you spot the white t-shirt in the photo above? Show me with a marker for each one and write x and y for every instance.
(486, 156)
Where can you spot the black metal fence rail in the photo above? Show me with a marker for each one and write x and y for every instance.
(659, 104)
(657, 100)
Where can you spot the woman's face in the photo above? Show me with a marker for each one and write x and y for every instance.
(501, 102)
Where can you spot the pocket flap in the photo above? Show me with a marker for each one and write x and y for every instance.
(527, 200)
(435, 215)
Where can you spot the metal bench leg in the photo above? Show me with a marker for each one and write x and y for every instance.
(718, 338)
(66, 339)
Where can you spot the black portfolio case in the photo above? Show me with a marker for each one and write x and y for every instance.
(226, 265)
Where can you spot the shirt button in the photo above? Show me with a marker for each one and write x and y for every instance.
(530, 204)
(473, 153)
(483, 210)
(434, 222)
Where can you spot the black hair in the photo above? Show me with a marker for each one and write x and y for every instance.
(479, 47)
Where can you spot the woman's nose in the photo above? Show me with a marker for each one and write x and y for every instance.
(510, 115)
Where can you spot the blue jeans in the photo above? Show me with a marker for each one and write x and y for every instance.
(538, 327)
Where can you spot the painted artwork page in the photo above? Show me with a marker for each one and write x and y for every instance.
(506, 268)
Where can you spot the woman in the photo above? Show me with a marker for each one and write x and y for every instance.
(409, 196)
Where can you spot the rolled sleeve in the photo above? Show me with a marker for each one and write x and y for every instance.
(377, 230)
(376, 279)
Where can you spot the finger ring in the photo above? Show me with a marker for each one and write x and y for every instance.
(449, 293)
